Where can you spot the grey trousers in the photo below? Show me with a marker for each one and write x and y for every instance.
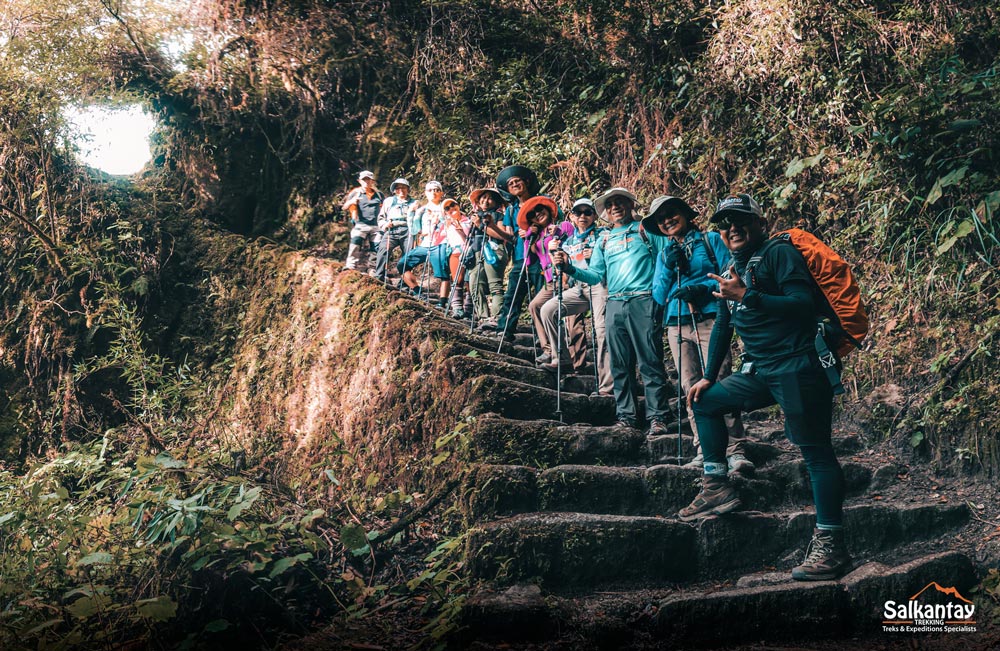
(635, 339)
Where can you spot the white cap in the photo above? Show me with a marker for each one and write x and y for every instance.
(366, 174)
(583, 202)
(433, 185)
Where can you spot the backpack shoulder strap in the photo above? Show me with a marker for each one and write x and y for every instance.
(645, 240)
(711, 252)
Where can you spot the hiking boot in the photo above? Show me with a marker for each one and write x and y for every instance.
(717, 496)
(656, 428)
(625, 422)
(544, 358)
(826, 557)
(698, 462)
(458, 314)
(738, 463)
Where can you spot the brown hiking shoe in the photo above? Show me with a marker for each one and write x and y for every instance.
(826, 557)
(717, 496)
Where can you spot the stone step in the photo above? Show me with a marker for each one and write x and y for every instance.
(545, 443)
(761, 612)
(523, 401)
(577, 550)
(661, 490)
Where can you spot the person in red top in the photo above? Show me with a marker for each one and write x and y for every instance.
(364, 204)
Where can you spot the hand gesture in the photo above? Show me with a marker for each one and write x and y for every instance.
(732, 288)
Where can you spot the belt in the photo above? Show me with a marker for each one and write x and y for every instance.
(647, 292)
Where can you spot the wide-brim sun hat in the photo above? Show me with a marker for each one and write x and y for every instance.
(662, 205)
(531, 204)
(522, 172)
(613, 192)
(738, 204)
(476, 194)
(398, 182)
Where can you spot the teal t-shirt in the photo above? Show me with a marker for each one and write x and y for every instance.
(625, 261)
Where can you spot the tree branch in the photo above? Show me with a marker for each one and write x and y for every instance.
(46, 241)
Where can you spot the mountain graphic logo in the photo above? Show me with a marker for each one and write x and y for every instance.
(934, 608)
(951, 592)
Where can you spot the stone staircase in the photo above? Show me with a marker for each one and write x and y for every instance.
(574, 539)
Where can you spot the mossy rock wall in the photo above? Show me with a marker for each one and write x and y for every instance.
(324, 369)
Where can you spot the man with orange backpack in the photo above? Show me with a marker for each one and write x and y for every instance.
(771, 297)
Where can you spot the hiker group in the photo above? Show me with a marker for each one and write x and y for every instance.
(791, 300)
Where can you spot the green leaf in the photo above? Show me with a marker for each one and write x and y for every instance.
(964, 228)
(164, 460)
(8, 517)
(41, 627)
(85, 607)
(97, 558)
(964, 125)
(472, 353)
(160, 609)
(353, 536)
(916, 439)
(372, 480)
(934, 194)
(794, 167)
(441, 458)
(282, 564)
(953, 177)
(217, 625)
(988, 206)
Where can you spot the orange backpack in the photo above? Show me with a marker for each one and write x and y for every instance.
(836, 282)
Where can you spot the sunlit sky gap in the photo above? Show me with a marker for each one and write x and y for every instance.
(113, 140)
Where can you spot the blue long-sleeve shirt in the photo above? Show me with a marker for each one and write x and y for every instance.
(625, 261)
(700, 265)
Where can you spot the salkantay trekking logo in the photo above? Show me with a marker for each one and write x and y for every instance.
(951, 612)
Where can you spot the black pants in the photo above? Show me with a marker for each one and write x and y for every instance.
(802, 390)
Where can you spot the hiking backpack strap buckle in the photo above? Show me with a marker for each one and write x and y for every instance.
(827, 360)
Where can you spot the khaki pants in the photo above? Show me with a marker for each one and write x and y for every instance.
(688, 363)
(576, 303)
(362, 236)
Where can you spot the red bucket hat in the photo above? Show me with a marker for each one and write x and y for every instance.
(531, 204)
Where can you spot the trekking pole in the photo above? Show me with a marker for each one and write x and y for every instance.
(523, 276)
(558, 355)
(405, 258)
(423, 275)
(697, 339)
(459, 276)
(679, 364)
(593, 338)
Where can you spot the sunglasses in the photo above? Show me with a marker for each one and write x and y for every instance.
(729, 221)
(586, 212)
(621, 202)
